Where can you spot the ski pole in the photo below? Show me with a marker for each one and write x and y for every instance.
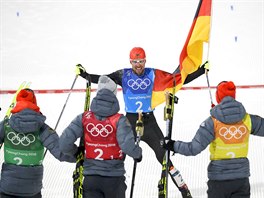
(140, 131)
(74, 81)
(206, 66)
(66, 102)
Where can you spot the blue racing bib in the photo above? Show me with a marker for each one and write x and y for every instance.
(137, 90)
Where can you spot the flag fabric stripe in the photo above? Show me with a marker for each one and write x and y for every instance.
(190, 57)
(193, 56)
(204, 8)
(163, 82)
(192, 53)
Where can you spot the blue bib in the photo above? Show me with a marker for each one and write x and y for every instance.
(137, 90)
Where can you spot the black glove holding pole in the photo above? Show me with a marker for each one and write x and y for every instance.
(168, 144)
(80, 70)
(138, 159)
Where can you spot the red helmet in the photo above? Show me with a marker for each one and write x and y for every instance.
(137, 53)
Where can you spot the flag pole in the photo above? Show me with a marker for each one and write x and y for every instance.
(207, 60)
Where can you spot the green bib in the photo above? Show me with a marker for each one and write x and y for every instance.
(22, 148)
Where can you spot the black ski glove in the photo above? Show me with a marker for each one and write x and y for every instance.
(80, 70)
(138, 159)
(168, 144)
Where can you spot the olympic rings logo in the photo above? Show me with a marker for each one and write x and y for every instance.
(139, 83)
(232, 132)
(99, 129)
(21, 138)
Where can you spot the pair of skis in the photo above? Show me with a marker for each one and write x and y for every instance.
(78, 172)
(168, 117)
(171, 99)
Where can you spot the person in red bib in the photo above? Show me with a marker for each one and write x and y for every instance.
(24, 136)
(108, 138)
(227, 132)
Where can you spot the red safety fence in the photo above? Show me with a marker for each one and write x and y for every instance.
(55, 91)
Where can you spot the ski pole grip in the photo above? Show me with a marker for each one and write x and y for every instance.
(139, 125)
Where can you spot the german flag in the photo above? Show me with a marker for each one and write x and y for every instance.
(190, 57)
(192, 52)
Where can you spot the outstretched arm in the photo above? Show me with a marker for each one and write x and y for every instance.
(200, 71)
(69, 136)
(203, 137)
(50, 140)
(115, 76)
(80, 70)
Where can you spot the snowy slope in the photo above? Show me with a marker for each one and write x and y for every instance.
(42, 41)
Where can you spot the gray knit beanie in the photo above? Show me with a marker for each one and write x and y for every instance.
(105, 82)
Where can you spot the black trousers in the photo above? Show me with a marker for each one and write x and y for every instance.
(238, 188)
(152, 133)
(3, 195)
(96, 186)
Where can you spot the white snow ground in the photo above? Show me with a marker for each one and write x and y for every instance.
(192, 109)
(42, 41)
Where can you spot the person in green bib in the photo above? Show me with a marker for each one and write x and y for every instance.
(226, 131)
(24, 137)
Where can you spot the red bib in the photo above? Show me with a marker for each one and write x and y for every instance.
(100, 137)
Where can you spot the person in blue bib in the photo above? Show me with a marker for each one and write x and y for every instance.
(24, 136)
(137, 86)
(227, 132)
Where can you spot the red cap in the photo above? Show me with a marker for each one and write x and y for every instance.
(137, 53)
(25, 99)
(26, 95)
(225, 88)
